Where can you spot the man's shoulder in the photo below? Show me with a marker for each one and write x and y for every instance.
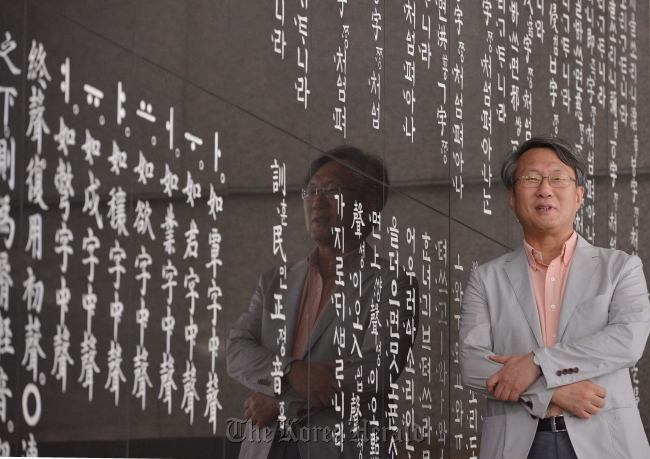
(497, 264)
(283, 272)
(285, 269)
(613, 260)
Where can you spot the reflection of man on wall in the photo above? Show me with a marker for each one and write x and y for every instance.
(341, 290)
(549, 331)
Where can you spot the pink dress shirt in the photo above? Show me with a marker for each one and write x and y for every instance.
(549, 282)
(316, 294)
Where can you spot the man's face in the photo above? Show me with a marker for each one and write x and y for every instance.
(545, 210)
(322, 214)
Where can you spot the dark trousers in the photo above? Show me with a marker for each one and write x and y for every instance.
(550, 445)
(283, 449)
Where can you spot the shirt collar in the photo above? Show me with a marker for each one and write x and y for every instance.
(568, 250)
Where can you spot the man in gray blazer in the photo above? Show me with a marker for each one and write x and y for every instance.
(349, 320)
(549, 331)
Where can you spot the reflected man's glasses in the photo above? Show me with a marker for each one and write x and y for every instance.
(329, 193)
(555, 180)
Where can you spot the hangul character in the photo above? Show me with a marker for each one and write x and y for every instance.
(375, 83)
(426, 25)
(486, 202)
(374, 264)
(339, 117)
(279, 14)
(539, 29)
(501, 53)
(566, 72)
(409, 11)
(409, 132)
(487, 175)
(458, 406)
(445, 66)
(457, 183)
(486, 117)
(305, 62)
(552, 86)
(458, 159)
(409, 98)
(425, 307)
(375, 219)
(501, 112)
(340, 59)
(375, 115)
(302, 91)
(458, 134)
(278, 41)
(341, 83)
(441, 308)
(426, 337)
(339, 338)
(425, 53)
(486, 65)
(379, 56)
(425, 255)
(514, 68)
(514, 12)
(410, 42)
(566, 99)
(486, 146)
(442, 10)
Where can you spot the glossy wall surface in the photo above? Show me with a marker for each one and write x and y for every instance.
(150, 148)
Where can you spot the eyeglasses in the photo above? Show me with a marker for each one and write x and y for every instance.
(329, 193)
(555, 180)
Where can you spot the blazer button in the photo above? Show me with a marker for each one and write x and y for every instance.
(576, 369)
(529, 404)
(558, 372)
(565, 371)
(571, 371)
(533, 416)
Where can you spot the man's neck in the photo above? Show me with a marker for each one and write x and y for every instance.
(550, 246)
(327, 255)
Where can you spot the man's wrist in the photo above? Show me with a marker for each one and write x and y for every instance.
(285, 377)
(536, 362)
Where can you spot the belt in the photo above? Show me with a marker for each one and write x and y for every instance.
(552, 424)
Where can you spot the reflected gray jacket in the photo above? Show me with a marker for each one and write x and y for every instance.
(253, 345)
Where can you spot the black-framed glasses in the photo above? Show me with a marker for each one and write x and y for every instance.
(535, 181)
(329, 193)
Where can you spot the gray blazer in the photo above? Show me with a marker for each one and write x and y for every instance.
(603, 328)
(253, 345)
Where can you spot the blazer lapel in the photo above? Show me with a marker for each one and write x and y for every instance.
(292, 297)
(582, 269)
(348, 290)
(517, 270)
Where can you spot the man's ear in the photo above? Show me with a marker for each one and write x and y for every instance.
(511, 192)
(579, 194)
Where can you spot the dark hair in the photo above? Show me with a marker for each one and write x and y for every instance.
(370, 170)
(567, 154)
